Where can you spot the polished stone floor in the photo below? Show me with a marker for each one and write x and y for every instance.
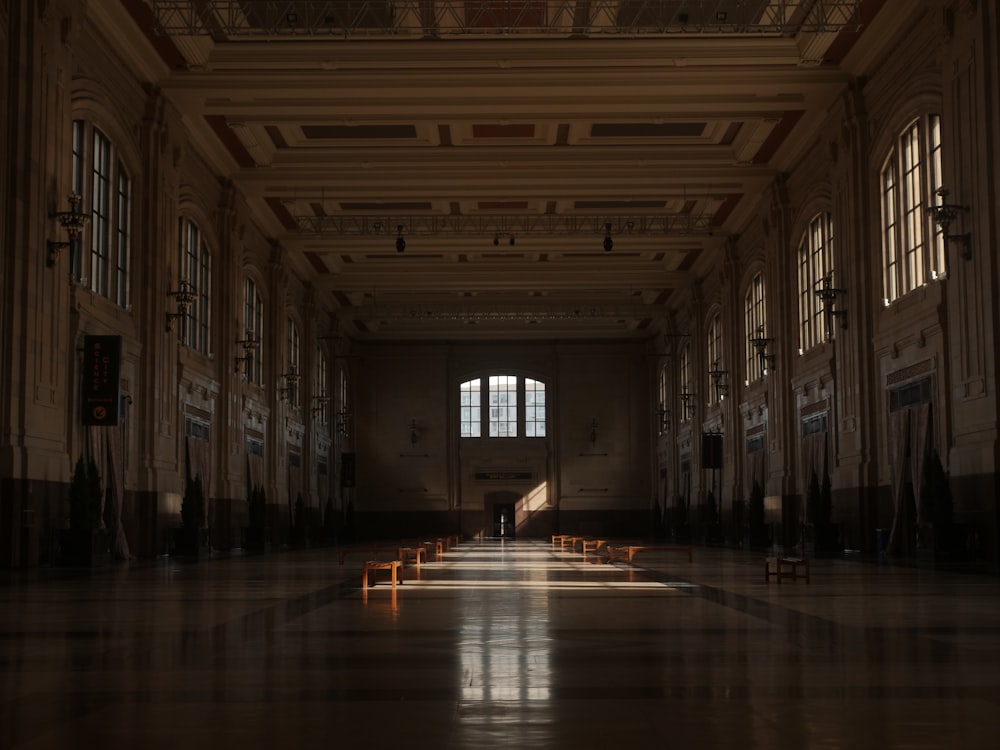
(500, 644)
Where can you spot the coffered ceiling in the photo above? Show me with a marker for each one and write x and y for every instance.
(554, 170)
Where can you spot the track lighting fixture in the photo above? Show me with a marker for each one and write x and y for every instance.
(608, 242)
(400, 242)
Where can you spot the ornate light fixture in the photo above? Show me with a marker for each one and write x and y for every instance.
(319, 406)
(343, 419)
(944, 214)
(291, 379)
(400, 242)
(73, 221)
(827, 294)
(608, 242)
(243, 362)
(720, 381)
(663, 415)
(687, 401)
(185, 295)
(761, 343)
(414, 432)
(593, 430)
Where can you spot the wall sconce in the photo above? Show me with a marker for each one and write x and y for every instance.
(760, 342)
(663, 414)
(319, 406)
(343, 419)
(827, 294)
(414, 433)
(185, 295)
(608, 242)
(720, 381)
(291, 379)
(400, 242)
(687, 403)
(243, 362)
(593, 430)
(943, 215)
(73, 221)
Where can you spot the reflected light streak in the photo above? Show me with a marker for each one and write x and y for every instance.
(548, 585)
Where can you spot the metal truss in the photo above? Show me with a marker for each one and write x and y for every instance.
(458, 18)
(503, 226)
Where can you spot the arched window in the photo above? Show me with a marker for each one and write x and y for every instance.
(663, 409)
(755, 320)
(912, 250)
(321, 385)
(516, 406)
(293, 367)
(684, 380)
(102, 181)
(815, 270)
(716, 390)
(196, 271)
(253, 322)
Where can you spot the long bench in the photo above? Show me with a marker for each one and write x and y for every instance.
(786, 567)
(626, 553)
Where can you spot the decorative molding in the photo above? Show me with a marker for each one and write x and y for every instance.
(814, 408)
(907, 373)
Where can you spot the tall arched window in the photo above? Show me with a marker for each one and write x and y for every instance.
(716, 392)
(755, 320)
(684, 380)
(517, 406)
(912, 249)
(293, 368)
(663, 409)
(196, 270)
(253, 322)
(321, 388)
(100, 178)
(815, 270)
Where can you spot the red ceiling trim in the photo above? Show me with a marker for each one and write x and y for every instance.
(726, 208)
(279, 209)
(317, 262)
(143, 16)
(230, 140)
(778, 135)
(847, 38)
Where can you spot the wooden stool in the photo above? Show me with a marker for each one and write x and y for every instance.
(395, 568)
(786, 567)
(416, 553)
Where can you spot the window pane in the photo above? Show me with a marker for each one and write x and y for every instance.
(534, 408)
(471, 415)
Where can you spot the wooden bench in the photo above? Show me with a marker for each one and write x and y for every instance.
(395, 568)
(416, 553)
(786, 567)
(592, 545)
(626, 553)
(561, 539)
(436, 548)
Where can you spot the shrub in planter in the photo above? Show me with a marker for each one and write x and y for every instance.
(755, 516)
(939, 537)
(256, 532)
(682, 528)
(190, 538)
(84, 543)
(300, 531)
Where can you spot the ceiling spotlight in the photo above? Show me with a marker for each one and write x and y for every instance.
(400, 242)
(608, 242)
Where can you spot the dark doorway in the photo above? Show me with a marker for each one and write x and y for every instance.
(503, 520)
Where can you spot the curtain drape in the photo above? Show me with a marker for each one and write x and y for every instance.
(920, 444)
(899, 434)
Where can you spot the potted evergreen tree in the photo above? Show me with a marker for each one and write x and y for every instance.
(300, 530)
(821, 535)
(755, 517)
(191, 537)
(682, 527)
(939, 538)
(256, 538)
(85, 543)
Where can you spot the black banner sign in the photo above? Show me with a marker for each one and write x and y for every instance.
(102, 357)
(503, 476)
